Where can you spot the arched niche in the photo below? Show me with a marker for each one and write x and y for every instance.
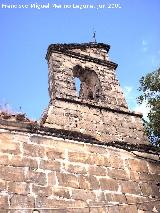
(90, 88)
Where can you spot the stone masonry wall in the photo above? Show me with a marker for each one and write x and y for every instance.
(52, 174)
(62, 84)
(104, 125)
(100, 110)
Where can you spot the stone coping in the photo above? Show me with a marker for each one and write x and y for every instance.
(64, 48)
(35, 128)
(101, 107)
(80, 46)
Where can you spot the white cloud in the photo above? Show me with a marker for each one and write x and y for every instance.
(128, 89)
(155, 60)
(142, 108)
(144, 42)
(153, 56)
(131, 98)
(145, 45)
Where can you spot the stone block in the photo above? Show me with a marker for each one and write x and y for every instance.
(118, 174)
(128, 209)
(61, 192)
(36, 177)
(54, 153)
(108, 184)
(20, 188)
(85, 195)
(10, 173)
(78, 210)
(149, 177)
(84, 182)
(52, 203)
(154, 168)
(4, 202)
(44, 191)
(75, 169)
(34, 150)
(18, 161)
(150, 189)
(4, 160)
(134, 199)
(7, 145)
(88, 182)
(67, 180)
(100, 160)
(21, 201)
(113, 209)
(80, 157)
(98, 210)
(3, 185)
(116, 162)
(153, 206)
(134, 175)
(115, 198)
(52, 179)
(138, 165)
(97, 170)
(21, 137)
(130, 187)
(50, 165)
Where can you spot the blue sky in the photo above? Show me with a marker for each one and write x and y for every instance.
(132, 31)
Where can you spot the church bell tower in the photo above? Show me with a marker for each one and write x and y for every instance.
(98, 108)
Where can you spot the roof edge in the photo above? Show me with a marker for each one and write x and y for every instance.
(79, 45)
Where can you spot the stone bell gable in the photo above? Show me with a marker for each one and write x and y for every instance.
(99, 107)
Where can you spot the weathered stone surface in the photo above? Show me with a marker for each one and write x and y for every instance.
(128, 209)
(45, 191)
(77, 169)
(108, 184)
(150, 206)
(150, 189)
(73, 178)
(98, 210)
(138, 165)
(3, 185)
(21, 201)
(97, 170)
(50, 165)
(18, 188)
(43, 202)
(76, 178)
(54, 153)
(154, 168)
(130, 187)
(88, 153)
(36, 177)
(67, 180)
(135, 199)
(52, 179)
(12, 173)
(85, 195)
(4, 202)
(116, 162)
(118, 198)
(7, 145)
(100, 101)
(61, 192)
(33, 150)
(118, 174)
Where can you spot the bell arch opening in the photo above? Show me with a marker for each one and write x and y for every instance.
(87, 83)
(77, 82)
